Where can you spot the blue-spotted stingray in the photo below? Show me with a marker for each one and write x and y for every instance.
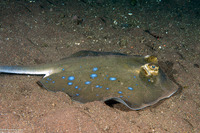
(86, 76)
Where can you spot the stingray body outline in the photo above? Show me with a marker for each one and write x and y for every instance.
(86, 76)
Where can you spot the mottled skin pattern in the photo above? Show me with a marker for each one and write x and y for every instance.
(86, 76)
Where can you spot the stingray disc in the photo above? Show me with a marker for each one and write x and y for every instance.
(134, 81)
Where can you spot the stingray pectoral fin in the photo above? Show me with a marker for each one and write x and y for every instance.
(147, 101)
(147, 92)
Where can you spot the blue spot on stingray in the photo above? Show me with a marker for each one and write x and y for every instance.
(49, 79)
(63, 69)
(97, 94)
(112, 78)
(46, 81)
(136, 84)
(95, 69)
(87, 82)
(119, 92)
(130, 88)
(120, 96)
(93, 75)
(79, 89)
(76, 87)
(70, 83)
(97, 86)
(134, 76)
(63, 89)
(63, 77)
(80, 66)
(128, 96)
(100, 86)
(53, 82)
(71, 78)
(149, 80)
(107, 88)
(106, 75)
(77, 94)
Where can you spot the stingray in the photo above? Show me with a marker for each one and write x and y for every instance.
(86, 76)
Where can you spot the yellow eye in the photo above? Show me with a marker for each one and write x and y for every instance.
(150, 69)
(153, 67)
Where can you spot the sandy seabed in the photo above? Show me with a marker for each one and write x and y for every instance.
(35, 32)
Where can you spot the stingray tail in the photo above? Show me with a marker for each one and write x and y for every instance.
(24, 70)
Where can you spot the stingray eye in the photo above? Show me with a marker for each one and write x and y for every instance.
(152, 67)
